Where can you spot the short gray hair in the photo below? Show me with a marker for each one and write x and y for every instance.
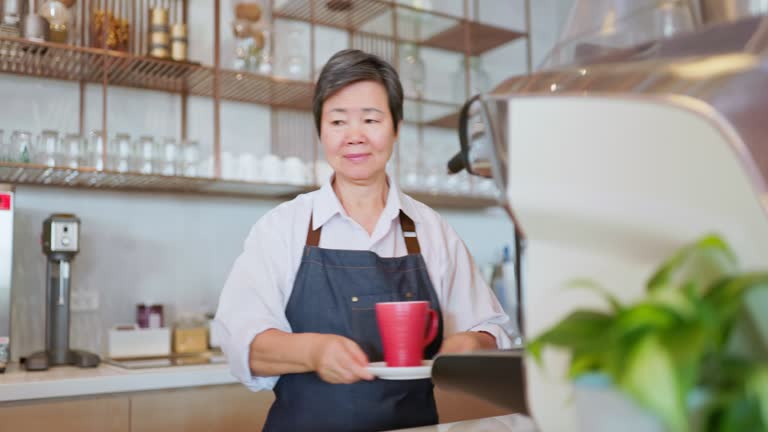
(350, 66)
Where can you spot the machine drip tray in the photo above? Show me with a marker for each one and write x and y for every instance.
(191, 359)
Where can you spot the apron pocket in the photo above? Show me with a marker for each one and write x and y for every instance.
(364, 326)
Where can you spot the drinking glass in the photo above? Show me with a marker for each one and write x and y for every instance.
(96, 149)
(169, 157)
(191, 158)
(21, 147)
(74, 152)
(48, 148)
(147, 154)
(121, 155)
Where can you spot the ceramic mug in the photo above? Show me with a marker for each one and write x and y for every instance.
(406, 328)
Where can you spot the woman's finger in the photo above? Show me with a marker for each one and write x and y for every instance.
(356, 353)
(360, 361)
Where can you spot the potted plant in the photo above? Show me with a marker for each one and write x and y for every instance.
(692, 355)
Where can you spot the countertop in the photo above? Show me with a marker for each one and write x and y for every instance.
(17, 384)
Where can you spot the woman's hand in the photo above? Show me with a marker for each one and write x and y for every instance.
(339, 360)
(468, 341)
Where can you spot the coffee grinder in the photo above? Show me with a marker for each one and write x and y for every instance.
(61, 243)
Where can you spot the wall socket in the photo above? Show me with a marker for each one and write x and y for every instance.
(84, 301)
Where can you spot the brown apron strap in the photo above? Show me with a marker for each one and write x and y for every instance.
(409, 234)
(406, 223)
(313, 237)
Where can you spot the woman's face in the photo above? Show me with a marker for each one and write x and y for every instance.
(357, 132)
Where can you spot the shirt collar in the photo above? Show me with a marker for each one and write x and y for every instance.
(327, 204)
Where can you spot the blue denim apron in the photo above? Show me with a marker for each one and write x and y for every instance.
(335, 292)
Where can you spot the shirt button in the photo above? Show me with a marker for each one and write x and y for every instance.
(355, 299)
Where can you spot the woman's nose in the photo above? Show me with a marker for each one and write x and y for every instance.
(354, 134)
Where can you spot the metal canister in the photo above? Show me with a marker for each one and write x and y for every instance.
(159, 33)
(179, 42)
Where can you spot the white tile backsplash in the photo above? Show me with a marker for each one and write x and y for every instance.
(154, 248)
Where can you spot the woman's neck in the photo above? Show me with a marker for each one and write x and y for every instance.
(363, 200)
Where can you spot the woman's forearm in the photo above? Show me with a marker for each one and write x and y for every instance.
(274, 352)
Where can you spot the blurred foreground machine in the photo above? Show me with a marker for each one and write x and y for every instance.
(607, 165)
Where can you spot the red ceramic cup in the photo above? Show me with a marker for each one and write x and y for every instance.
(406, 328)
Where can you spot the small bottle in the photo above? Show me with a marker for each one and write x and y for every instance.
(179, 42)
(156, 316)
(159, 33)
(142, 315)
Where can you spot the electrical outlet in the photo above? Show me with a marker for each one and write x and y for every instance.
(84, 301)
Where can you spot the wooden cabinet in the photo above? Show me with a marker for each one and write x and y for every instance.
(226, 408)
(453, 406)
(100, 414)
(202, 409)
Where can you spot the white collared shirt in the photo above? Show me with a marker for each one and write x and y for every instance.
(256, 293)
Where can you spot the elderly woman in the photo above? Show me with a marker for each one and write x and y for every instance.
(297, 309)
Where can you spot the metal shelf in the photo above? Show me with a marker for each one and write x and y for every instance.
(93, 65)
(343, 14)
(278, 92)
(481, 38)
(89, 178)
(31, 174)
(426, 28)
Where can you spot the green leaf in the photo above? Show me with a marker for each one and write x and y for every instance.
(590, 285)
(726, 299)
(581, 330)
(740, 414)
(727, 294)
(678, 300)
(701, 263)
(757, 387)
(646, 317)
(687, 345)
(651, 379)
(755, 307)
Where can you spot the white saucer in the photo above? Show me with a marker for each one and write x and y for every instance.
(381, 370)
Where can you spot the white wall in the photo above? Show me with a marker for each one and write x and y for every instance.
(163, 248)
(177, 249)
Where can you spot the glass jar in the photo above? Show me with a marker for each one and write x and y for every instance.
(412, 71)
(49, 149)
(191, 159)
(169, 158)
(20, 149)
(147, 155)
(121, 155)
(74, 151)
(480, 81)
(295, 65)
(95, 153)
(58, 17)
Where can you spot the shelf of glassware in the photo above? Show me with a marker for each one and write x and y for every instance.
(283, 188)
(67, 62)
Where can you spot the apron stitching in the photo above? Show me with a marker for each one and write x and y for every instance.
(362, 267)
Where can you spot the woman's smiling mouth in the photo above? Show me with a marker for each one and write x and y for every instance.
(357, 157)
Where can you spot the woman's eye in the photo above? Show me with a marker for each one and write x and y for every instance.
(371, 121)
(337, 122)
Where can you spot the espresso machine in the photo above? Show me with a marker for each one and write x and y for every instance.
(61, 242)
(605, 162)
